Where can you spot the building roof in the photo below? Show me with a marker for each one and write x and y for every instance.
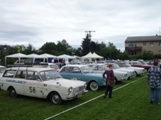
(143, 39)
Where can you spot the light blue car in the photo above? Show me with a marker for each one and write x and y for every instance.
(83, 73)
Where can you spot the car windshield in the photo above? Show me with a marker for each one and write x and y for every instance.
(115, 66)
(128, 65)
(121, 64)
(86, 69)
(137, 63)
(54, 66)
(99, 67)
(142, 62)
(49, 74)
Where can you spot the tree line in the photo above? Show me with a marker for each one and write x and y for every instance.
(108, 51)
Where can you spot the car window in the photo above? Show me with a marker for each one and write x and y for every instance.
(66, 69)
(76, 70)
(20, 74)
(49, 74)
(32, 75)
(86, 69)
(9, 73)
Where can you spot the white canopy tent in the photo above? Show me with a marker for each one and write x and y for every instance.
(32, 56)
(16, 55)
(47, 56)
(97, 56)
(91, 56)
(66, 57)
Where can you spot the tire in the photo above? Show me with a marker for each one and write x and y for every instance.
(93, 86)
(55, 98)
(12, 92)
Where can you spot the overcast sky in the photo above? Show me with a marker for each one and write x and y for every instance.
(35, 22)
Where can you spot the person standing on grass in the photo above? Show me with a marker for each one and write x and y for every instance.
(154, 81)
(108, 75)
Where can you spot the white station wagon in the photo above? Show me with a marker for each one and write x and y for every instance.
(41, 83)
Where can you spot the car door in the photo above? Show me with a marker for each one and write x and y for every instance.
(66, 72)
(33, 86)
(76, 73)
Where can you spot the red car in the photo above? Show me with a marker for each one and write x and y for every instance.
(140, 64)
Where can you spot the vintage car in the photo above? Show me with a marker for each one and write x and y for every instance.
(100, 68)
(139, 64)
(83, 73)
(41, 83)
(2, 69)
(130, 72)
(137, 70)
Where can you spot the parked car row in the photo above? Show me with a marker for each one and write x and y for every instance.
(69, 82)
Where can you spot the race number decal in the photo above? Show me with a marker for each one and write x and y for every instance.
(32, 89)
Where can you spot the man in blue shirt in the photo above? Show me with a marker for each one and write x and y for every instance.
(154, 81)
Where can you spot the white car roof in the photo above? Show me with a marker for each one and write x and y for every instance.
(75, 65)
(29, 68)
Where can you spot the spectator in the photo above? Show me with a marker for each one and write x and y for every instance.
(154, 81)
(108, 75)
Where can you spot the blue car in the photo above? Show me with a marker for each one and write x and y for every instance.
(83, 73)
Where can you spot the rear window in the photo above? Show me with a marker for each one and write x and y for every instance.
(9, 73)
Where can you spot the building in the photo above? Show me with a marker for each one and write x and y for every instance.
(135, 45)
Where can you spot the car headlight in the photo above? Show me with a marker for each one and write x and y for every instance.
(70, 89)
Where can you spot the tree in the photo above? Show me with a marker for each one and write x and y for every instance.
(148, 55)
(86, 45)
(29, 49)
(48, 47)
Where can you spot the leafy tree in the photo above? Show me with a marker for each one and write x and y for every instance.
(147, 55)
(139, 56)
(102, 45)
(63, 47)
(48, 47)
(123, 56)
(29, 49)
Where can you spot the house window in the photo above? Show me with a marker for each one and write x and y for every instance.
(144, 44)
(132, 44)
(151, 44)
(160, 44)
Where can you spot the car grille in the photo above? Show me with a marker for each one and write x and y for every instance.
(78, 89)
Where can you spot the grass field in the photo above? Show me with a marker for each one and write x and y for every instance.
(128, 103)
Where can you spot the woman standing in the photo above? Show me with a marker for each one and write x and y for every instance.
(108, 75)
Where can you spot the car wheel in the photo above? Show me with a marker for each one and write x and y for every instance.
(93, 86)
(55, 98)
(12, 92)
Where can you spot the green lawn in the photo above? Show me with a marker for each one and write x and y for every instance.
(128, 103)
